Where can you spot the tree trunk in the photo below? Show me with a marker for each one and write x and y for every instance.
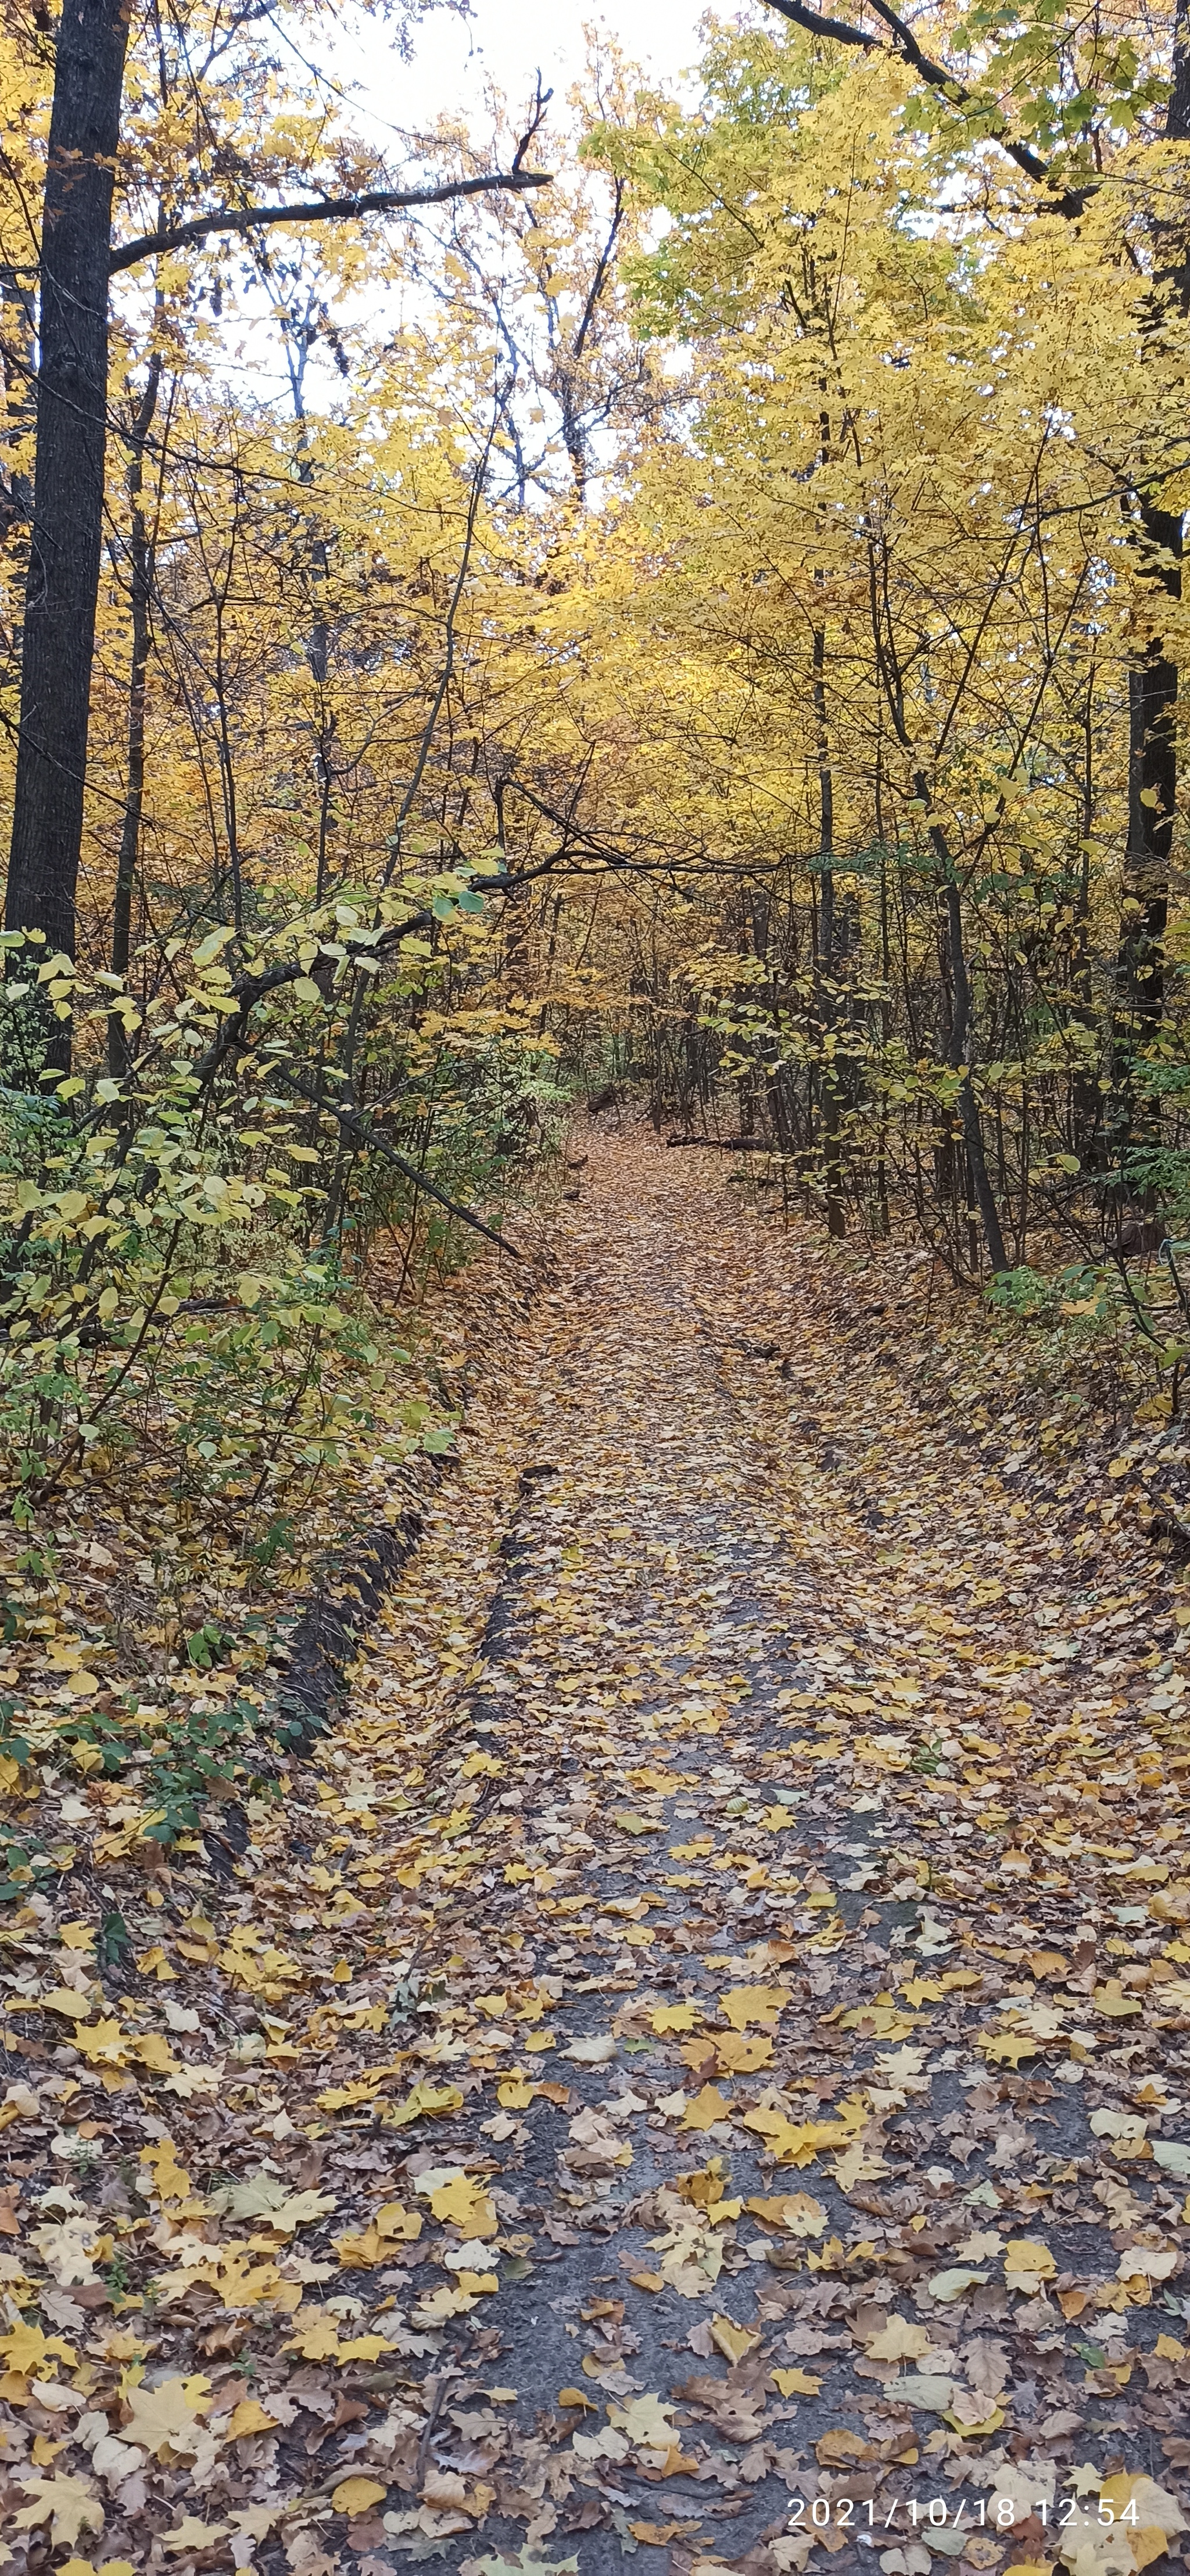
(1152, 699)
(985, 1196)
(140, 583)
(64, 556)
(1152, 795)
(836, 1202)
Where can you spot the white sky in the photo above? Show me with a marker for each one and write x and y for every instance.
(501, 42)
(508, 42)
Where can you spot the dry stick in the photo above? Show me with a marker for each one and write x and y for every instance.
(355, 1125)
(446, 2380)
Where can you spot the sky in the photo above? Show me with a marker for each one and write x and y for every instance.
(502, 42)
(509, 42)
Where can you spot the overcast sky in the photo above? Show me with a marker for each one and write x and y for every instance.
(509, 41)
(505, 42)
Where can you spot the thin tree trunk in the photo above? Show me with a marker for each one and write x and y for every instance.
(1086, 1096)
(1152, 797)
(968, 1106)
(1152, 698)
(64, 557)
(130, 831)
(836, 1204)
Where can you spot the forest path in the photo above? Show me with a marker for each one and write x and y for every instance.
(701, 2048)
(777, 2004)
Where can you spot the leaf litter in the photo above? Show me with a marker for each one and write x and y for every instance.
(696, 2064)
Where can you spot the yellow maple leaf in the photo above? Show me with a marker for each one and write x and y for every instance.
(355, 2495)
(797, 2142)
(515, 2092)
(169, 2180)
(878, 2021)
(392, 2225)
(192, 2533)
(69, 2505)
(795, 2210)
(166, 2417)
(27, 2350)
(645, 2421)
(795, 2383)
(707, 2107)
(466, 2205)
(102, 2043)
(735, 2054)
(153, 1963)
(899, 2341)
(425, 2102)
(667, 2017)
(1007, 2047)
(705, 2190)
(742, 2005)
(1153, 2515)
(317, 2338)
(1111, 2000)
(154, 2051)
(63, 1999)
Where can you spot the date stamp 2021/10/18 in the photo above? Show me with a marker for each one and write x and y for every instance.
(937, 2513)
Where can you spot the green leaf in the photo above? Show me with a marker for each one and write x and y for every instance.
(208, 949)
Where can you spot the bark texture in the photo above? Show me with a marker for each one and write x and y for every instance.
(64, 554)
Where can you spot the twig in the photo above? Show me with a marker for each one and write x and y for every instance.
(447, 2379)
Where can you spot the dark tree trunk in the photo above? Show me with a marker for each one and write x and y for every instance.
(64, 555)
(140, 585)
(1152, 697)
(1152, 793)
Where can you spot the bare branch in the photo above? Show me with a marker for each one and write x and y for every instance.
(320, 210)
(904, 42)
(837, 29)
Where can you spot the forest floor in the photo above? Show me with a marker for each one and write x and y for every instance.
(695, 2067)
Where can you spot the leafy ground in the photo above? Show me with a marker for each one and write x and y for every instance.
(694, 2065)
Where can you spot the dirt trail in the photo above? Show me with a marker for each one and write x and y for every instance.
(727, 1987)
